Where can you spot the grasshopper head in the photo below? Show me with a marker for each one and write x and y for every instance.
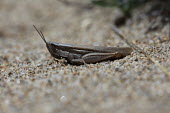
(50, 46)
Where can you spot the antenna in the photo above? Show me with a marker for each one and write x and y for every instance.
(40, 33)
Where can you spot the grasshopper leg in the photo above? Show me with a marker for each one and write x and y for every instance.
(96, 57)
(78, 62)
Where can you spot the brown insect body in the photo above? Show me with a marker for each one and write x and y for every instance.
(78, 55)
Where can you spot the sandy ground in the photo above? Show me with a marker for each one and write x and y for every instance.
(32, 81)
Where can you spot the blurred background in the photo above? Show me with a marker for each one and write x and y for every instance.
(72, 16)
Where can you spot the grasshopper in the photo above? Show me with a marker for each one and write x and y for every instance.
(79, 55)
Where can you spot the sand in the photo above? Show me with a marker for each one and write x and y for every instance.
(32, 81)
